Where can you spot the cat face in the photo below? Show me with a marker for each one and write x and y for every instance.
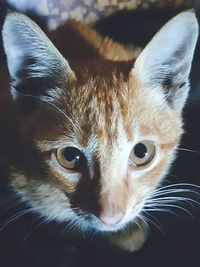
(105, 132)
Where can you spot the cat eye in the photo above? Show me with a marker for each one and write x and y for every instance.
(70, 158)
(142, 153)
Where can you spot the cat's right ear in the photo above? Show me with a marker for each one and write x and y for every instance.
(36, 67)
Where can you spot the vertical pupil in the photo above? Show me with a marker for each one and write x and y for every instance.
(71, 154)
(140, 150)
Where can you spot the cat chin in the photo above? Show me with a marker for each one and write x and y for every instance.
(103, 228)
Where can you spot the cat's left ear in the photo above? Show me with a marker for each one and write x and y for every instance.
(164, 64)
(34, 64)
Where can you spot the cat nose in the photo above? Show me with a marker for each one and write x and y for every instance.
(111, 220)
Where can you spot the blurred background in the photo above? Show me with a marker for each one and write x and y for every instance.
(58, 11)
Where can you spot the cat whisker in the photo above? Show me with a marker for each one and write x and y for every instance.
(186, 185)
(173, 191)
(135, 222)
(142, 219)
(157, 224)
(152, 208)
(15, 217)
(158, 204)
(9, 207)
(71, 225)
(9, 199)
(156, 220)
(188, 150)
(175, 198)
(35, 228)
(172, 175)
(44, 221)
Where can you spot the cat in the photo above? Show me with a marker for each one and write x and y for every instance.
(99, 124)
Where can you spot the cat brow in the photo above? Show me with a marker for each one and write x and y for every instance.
(77, 128)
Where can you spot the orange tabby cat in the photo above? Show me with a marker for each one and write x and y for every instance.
(103, 126)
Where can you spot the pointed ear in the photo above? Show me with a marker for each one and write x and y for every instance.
(164, 64)
(34, 64)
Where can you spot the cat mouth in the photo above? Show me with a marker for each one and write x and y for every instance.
(114, 223)
(102, 227)
(110, 225)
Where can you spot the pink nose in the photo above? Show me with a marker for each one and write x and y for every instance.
(111, 220)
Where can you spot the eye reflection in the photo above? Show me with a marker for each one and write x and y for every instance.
(70, 158)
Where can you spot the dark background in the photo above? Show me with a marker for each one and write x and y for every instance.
(24, 242)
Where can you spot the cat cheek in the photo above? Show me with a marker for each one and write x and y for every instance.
(63, 179)
(64, 183)
(19, 181)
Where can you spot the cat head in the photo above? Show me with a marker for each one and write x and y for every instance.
(106, 137)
